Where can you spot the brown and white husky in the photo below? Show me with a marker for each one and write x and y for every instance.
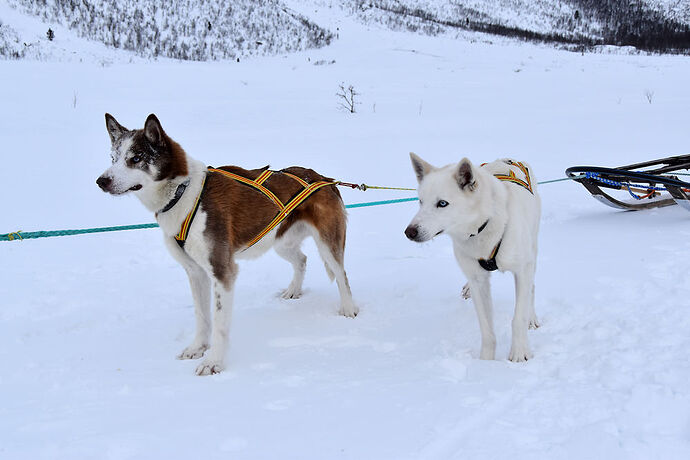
(209, 220)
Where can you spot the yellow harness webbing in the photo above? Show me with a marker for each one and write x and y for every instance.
(253, 183)
(511, 177)
(284, 209)
(288, 208)
(263, 176)
(298, 179)
(181, 236)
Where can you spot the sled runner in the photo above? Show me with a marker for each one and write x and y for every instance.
(651, 184)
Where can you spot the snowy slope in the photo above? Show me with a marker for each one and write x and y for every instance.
(184, 29)
(225, 30)
(23, 36)
(540, 16)
(90, 325)
(645, 25)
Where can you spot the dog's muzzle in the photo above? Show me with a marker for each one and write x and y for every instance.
(104, 183)
(412, 232)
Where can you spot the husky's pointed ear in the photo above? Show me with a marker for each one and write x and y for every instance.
(421, 167)
(153, 130)
(465, 176)
(115, 129)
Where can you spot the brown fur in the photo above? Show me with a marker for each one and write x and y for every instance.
(238, 212)
(178, 160)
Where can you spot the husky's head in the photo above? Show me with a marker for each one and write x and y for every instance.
(449, 200)
(141, 157)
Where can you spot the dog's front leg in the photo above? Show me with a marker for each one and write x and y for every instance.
(200, 284)
(524, 288)
(214, 361)
(480, 287)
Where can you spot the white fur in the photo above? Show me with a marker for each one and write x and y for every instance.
(513, 215)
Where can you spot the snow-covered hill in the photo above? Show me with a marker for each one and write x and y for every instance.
(224, 29)
(23, 36)
(184, 29)
(649, 25)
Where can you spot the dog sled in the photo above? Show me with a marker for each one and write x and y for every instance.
(647, 185)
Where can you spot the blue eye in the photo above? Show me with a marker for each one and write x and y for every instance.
(441, 204)
(135, 159)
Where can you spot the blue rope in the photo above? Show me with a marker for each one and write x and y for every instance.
(377, 203)
(632, 194)
(603, 180)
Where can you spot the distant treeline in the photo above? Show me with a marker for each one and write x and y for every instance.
(633, 23)
(593, 22)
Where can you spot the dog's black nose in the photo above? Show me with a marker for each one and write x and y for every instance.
(104, 182)
(411, 232)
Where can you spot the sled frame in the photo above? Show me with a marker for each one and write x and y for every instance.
(651, 177)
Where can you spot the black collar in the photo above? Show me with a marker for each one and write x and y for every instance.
(178, 194)
(480, 228)
(490, 264)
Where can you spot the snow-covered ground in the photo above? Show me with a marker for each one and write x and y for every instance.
(90, 325)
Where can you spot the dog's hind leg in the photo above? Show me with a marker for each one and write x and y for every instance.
(533, 321)
(331, 245)
(214, 362)
(524, 289)
(288, 247)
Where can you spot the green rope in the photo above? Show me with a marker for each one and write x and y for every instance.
(20, 235)
(14, 236)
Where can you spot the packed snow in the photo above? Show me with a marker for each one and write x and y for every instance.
(91, 325)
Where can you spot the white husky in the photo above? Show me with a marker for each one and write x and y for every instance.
(492, 215)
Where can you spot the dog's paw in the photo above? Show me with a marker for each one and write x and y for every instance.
(519, 354)
(466, 292)
(193, 352)
(291, 293)
(349, 310)
(209, 367)
(534, 323)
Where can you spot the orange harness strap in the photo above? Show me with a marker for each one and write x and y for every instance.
(288, 208)
(253, 183)
(181, 236)
(284, 210)
(511, 177)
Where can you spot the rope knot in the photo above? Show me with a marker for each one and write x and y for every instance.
(14, 235)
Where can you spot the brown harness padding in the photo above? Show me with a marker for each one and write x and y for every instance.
(284, 209)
